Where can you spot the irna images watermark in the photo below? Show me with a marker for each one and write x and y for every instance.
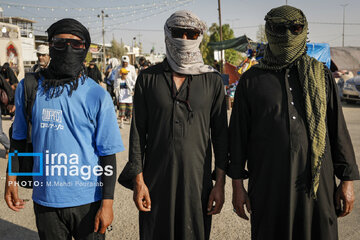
(60, 164)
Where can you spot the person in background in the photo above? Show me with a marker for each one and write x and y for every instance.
(217, 65)
(111, 74)
(43, 56)
(124, 91)
(9, 75)
(125, 63)
(146, 65)
(142, 62)
(93, 72)
(115, 71)
(6, 107)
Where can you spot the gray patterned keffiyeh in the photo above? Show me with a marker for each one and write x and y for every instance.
(184, 55)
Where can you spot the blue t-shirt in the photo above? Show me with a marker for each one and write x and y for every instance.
(70, 132)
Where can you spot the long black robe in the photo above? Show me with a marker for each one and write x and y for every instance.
(172, 147)
(268, 132)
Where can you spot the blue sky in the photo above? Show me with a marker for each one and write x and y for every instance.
(127, 19)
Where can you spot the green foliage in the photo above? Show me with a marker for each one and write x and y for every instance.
(227, 32)
(231, 55)
(206, 52)
(117, 49)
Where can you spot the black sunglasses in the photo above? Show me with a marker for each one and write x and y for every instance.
(62, 43)
(191, 34)
(281, 29)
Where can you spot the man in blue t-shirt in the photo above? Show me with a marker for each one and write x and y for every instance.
(75, 131)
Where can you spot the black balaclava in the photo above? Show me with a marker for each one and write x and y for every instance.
(66, 65)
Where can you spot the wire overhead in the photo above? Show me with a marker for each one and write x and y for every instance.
(119, 13)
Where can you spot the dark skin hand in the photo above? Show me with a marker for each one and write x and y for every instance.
(104, 216)
(143, 202)
(345, 198)
(217, 196)
(141, 194)
(240, 198)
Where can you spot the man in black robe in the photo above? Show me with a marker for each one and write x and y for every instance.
(287, 125)
(179, 110)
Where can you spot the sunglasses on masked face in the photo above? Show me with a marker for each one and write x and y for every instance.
(191, 34)
(281, 29)
(62, 43)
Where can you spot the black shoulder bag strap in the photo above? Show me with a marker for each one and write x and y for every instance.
(30, 90)
(26, 163)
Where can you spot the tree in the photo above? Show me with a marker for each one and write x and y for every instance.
(205, 50)
(260, 34)
(117, 49)
(227, 32)
(231, 55)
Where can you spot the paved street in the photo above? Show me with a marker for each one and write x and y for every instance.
(16, 226)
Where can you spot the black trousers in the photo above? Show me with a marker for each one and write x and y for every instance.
(65, 223)
(110, 89)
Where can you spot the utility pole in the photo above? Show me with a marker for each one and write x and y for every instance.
(102, 16)
(221, 37)
(133, 45)
(286, 2)
(343, 32)
(139, 37)
(140, 44)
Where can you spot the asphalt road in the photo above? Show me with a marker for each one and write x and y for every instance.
(21, 226)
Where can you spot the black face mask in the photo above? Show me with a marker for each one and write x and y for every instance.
(67, 63)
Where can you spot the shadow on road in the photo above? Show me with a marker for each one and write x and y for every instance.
(10, 231)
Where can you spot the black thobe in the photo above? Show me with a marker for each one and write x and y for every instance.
(172, 147)
(268, 131)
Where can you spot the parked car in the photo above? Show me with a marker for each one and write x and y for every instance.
(351, 90)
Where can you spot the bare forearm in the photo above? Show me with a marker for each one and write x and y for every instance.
(107, 203)
(238, 183)
(220, 177)
(10, 179)
(139, 179)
